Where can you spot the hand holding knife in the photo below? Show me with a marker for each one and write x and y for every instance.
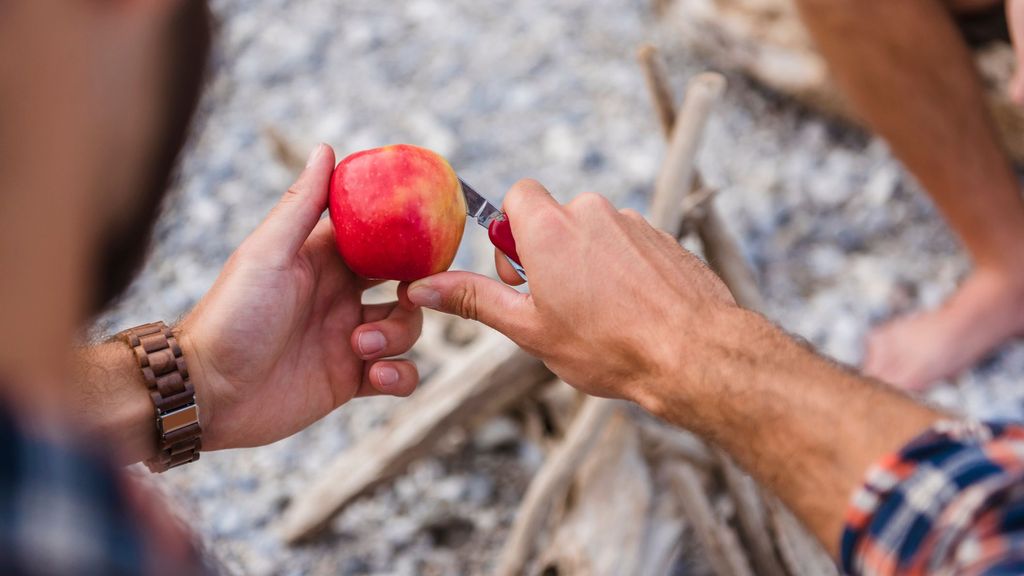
(496, 222)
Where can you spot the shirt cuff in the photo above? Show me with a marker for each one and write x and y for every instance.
(916, 506)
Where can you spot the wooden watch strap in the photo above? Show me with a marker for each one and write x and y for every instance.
(174, 399)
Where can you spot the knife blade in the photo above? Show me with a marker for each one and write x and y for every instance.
(499, 230)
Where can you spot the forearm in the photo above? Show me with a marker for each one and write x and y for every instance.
(111, 400)
(803, 426)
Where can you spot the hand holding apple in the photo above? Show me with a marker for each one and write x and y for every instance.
(283, 337)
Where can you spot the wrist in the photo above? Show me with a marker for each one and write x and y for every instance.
(113, 402)
(708, 371)
(203, 381)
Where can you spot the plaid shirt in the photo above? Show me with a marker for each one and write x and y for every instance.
(64, 509)
(950, 502)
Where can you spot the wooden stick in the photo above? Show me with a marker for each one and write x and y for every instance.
(492, 374)
(552, 482)
(723, 549)
(657, 85)
(663, 442)
(609, 526)
(676, 177)
(286, 151)
(752, 515)
(725, 257)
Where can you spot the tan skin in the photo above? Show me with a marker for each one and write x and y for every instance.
(678, 345)
(910, 75)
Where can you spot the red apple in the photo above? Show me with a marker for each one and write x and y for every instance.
(398, 212)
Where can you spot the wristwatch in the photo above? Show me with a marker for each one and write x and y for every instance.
(174, 398)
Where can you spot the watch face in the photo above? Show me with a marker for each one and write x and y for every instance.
(178, 419)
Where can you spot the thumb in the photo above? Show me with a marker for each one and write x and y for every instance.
(286, 228)
(478, 298)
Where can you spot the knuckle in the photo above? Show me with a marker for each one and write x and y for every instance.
(522, 188)
(463, 302)
(525, 184)
(668, 238)
(632, 215)
(292, 194)
(413, 380)
(591, 201)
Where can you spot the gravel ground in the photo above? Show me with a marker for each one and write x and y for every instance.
(839, 235)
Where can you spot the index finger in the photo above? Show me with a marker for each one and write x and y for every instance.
(527, 197)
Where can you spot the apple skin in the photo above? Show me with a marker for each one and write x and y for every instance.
(398, 212)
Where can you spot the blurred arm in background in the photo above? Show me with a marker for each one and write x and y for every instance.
(910, 75)
(620, 310)
(280, 340)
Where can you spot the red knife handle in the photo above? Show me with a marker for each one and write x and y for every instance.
(500, 233)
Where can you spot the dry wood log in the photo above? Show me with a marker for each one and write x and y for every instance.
(663, 442)
(675, 179)
(606, 528)
(766, 40)
(720, 543)
(752, 513)
(286, 151)
(489, 375)
(548, 414)
(552, 482)
(665, 548)
(726, 258)
(658, 88)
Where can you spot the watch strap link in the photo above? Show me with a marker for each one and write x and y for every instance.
(174, 399)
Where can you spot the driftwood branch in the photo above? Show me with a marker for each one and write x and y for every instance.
(658, 87)
(677, 171)
(286, 152)
(552, 482)
(719, 542)
(489, 376)
(668, 443)
(606, 528)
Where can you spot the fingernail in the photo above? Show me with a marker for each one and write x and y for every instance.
(424, 296)
(387, 376)
(371, 342)
(315, 155)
